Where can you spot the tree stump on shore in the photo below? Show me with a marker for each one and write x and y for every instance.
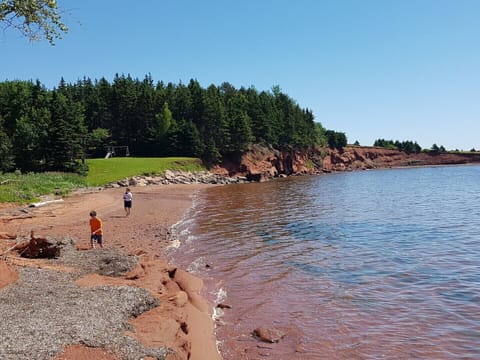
(40, 247)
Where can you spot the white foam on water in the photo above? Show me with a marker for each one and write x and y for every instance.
(174, 244)
(196, 264)
(221, 295)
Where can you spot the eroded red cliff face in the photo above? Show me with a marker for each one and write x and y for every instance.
(361, 158)
(263, 163)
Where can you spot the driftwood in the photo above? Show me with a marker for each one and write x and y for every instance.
(17, 218)
(17, 246)
(36, 247)
(7, 181)
(43, 203)
(7, 236)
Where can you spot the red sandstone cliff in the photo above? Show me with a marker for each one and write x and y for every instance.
(262, 163)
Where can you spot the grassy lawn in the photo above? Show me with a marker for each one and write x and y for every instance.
(104, 171)
(25, 188)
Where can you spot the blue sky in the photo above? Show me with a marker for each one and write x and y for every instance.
(401, 70)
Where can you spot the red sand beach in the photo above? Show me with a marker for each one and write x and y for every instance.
(183, 319)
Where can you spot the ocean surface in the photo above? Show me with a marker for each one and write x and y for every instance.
(380, 264)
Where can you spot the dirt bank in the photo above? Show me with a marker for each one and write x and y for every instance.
(260, 163)
(178, 326)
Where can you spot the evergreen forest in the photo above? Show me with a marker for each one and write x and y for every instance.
(54, 129)
(408, 146)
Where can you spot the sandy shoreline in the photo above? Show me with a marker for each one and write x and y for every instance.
(182, 321)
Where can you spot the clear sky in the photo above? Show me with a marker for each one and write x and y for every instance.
(392, 69)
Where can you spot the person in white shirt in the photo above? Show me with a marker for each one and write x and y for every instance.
(127, 201)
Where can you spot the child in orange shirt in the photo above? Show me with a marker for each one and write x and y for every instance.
(96, 229)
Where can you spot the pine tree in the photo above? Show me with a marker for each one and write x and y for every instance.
(6, 152)
(66, 134)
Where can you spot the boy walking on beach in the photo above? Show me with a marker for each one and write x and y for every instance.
(127, 201)
(96, 230)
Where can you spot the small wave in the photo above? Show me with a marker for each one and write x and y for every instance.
(196, 265)
(221, 295)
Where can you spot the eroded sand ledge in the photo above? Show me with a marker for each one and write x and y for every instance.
(182, 321)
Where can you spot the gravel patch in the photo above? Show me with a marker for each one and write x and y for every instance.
(44, 310)
(106, 261)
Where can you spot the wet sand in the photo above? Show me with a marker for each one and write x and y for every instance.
(183, 321)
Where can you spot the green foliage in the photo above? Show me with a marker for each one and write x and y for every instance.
(6, 153)
(104, 171)
(53, 130)
(437, 149)
(15, 187)
(97, 141)
(66, 134)
(406, 146)
(310, 164)
(164, 122)
(186, 140)
(34, 19)
(323, 154)
(240, 129)
(319, 135)
(336, 140)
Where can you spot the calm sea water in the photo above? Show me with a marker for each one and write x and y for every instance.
(362, 265)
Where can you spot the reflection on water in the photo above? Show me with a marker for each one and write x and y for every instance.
(365, 265)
